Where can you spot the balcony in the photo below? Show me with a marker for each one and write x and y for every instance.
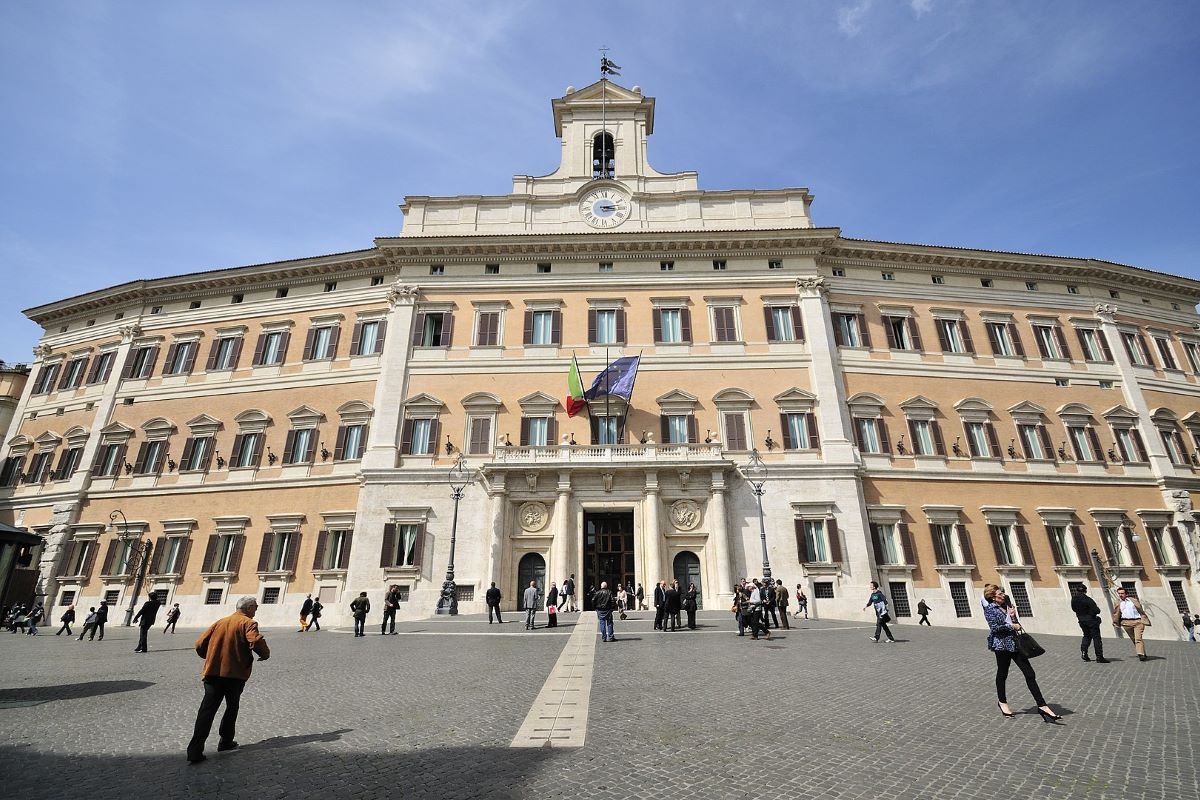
(594, 455)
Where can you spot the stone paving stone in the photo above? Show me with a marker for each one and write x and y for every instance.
(820, 711)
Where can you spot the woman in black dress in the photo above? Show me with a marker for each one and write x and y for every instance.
(689, 605)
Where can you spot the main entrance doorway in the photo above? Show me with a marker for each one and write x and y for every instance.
(531, 568)
(687, 571)
(607, 551)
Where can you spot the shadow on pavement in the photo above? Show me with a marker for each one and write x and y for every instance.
(277, 742)
(71, 691)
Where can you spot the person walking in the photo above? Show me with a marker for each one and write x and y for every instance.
(145, 620)
(493, 597)
(781, 602)
(1087, 613)
(878, 601)
(690, 602)
(1188, 623)
(305, 610)
(101, 618)
(35, 616)
(568, 593)
(89, 625)
(391, 604)
(768, 596)
(69, 616)
(660, 606)
(1002, 631)
(359, 609)
(529, 601)
(801, 601)
(1129, 614)
(172, 618)
(603, 601)
(923, 613)
(1196, 622)
(227, 647)
(314, 620)
(552, 606)
(622, 599)
(671, 597)
(757, 622)
(641, 598)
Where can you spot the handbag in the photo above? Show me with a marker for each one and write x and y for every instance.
(1028, 646)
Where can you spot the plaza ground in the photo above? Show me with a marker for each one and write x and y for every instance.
(818, 712)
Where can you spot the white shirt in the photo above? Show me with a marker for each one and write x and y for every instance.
(1129, 610)
(755, 597)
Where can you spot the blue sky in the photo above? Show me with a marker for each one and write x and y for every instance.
(143, 140)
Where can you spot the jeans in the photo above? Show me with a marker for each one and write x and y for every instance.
(880, 625)
(360, 625)
(604, 615)
(216, 690)
(1091, 635)
(531, 617)
(495, 609)
(1003, 660)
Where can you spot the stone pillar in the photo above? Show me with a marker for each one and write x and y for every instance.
(833, 416)
(560, 546)
(718, 538)
(392, 386)
(652, 544)
(498, 510)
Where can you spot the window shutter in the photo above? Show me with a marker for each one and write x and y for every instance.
(997, 547)
(264, 552)
(814, 438)
(838, 339)
(1177, 543)
(1038, 341)
(380, 335)
(914, 334)
(913, 447)
(620, 326)
(293, 553)
(551, 431)
(906, 543)
(797, 323)
(126, 368)
(943, 340)
(965, 332)
(480, 441)
(160, 554)
(89, 561)
(1134, 554)
(693, 429)
(1047, 445)
(1104, 345)
(319, 553)
(185, 461)
(259, 346)
(235, 454)
(864, 332)
(235, 555)
(772, 334)
(418, 334)
(94, 369)
(260, 442)
(1026, 547)
(185, 548)
(236, 355)
(356, 339)
(67, 554)
(1016, 339)
(344, 560)
(801, 542)
(110, 555)
(1109, 555)
(434, 428)
(939, 444)
(528, 335)
(992, 339)
(594, 423)
(284, 340)
(1057, 556)
(139, 465)
(1138, 443)
(1081, 548)
(964, 544)
(419, 549)
(1083, 342)
(97, 462)
(735, 431)
(885, 443)
(447, 329)
(875, 548)
(835, 541)
(591, 326)
(289, 446)
(1062, 342)
(665, 428)
(656, 322)
(170, 359)
(939, 550)
(309, 339)
(858, 439)
(406, 432)
(339, 446)
(556, 326)
(1147, 351)
(387, 555)
(524, 439)
(993, 442)
(685, 324)
(786, 431)
(887, 330)
(335, 334)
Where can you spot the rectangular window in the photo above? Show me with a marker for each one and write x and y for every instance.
(181, 357)
(1165, 354)
(607, 430)
(544, 330)
(677, 429)
(735, 430)
(672, 326)
(272, 348)
(1084, 443)
(432, 329)
(150, 458)
(1020, 597)
(1180, 597)
(330, 286)
(847, 329)
(247, 450)
(962, 603)
(270, 596)
(421, 444)
(543, 269)
(838, 272)
(479, 440)
(225, 352)
(814, 540)
(1162, 553)
(822, 590)
(68, 463)
(943, 543)
(334, 554)
(368, 338)
(111, 596)
(666, 266)
(899, 592)
(197, 452)
(1192, 352)
(67, 598)
(1001, 338)
(212, 597)
(724, 320)
(39, 469)
(351, 441)
(1095, 347)
(1032, 441)
(887, 276)
(437, 269)
(1060, 542)
(1129, 442)
(783, 324)
(938, 279)
(1173, 443)
(487, 329)
(718, 264)
(979, 440)
(951, 335)
(109, 460)
(1135, 348)
(868, 431)
(491, 269)
(1002, 540)
(74, 373)
(300, 446)
(406, 545)
(799, 431)
(280, 550)
(1031, 286)
(102, 367)
(885, 542)
(1048, 341)
(141, 362)
(605, 328)
(926, 440)
(323, 343)
(897, 330)
(606, 266)
(11, 470)
(535, 432)
(1110, 536)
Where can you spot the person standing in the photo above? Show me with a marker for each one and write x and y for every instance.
(314, 620)
(552, 606)
(359, 608)
(671, 598)
(1129, 614)
(1002, 630)
(641, 598)
(801, 601)
(690, 602)
(568, 593)
(35, 616)
(89, 625)
(172, 618)
(757, 622)
(878, 601)
(529, 601)
(622, 599)
(768, 599)
(781, 602)
(227, 647)
(603, 601)
(391, 604)
(101, 618)
(69, 616)
(660, 606)
(493, 597)
(305, 610)
(1188, 623)
(923, 613)
(1088, 615)
(145, 620)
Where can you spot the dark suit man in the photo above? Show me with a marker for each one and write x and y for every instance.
(660, 606)
(768, 604)
(493, 598)
(101, 618)
(145, 620)
(1088, 614)
(672, 601)
(305, 610)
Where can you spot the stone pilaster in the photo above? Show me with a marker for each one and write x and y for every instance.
(833, 416)
(392, 385)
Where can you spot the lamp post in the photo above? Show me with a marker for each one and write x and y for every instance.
(138, 561)
(755, 472)
(1106, 569)
(458, 477)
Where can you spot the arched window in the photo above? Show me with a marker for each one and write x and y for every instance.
(604, 164)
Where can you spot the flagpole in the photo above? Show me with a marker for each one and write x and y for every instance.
(632, 385)
(607, 385)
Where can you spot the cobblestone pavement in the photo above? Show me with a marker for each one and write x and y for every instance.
(818, 712)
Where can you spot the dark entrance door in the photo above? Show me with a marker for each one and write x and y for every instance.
(687, 570)
(607, 551)
(531, 568)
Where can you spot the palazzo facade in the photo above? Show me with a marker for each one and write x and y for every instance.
(930, 417)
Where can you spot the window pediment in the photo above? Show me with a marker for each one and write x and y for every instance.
(919, 405)
(20, 445)
(538, 404)
(1027, 413)
(865, 404)
(424, 404)
(795, 400)
(1000, 515)
(942, 515)
(252, 421)
(733, 398)
(482, 402)
(76, 436)
(1164, 416)
(158, 429)
(204, 425)
(1056, 515)
(47, 441)
(1192, 420)
(178, 527)
(115, 433)
(677, 402)
(1121, 413)
(355, 412)
(305, 417)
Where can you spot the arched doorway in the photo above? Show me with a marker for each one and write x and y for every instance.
(687, 570)
(531, 568)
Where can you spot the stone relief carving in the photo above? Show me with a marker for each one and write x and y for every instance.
(814, 284)
(1105, 309)
(533, 516)
(1183, 501)
(42, 350)
(607, 477)
(531, 481)
(401, 291)
(685, 515)
(685, 475)
(128, 332)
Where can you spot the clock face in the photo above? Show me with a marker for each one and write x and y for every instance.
(604, 208)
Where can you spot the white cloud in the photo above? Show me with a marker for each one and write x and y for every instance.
(850, 18)
(921, 7)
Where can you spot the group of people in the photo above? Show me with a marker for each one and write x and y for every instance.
(24, 618)
(669, 601)
(310, 614)
(27, 619)
(760, 605)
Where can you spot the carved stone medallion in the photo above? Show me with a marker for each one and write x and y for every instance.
(685, 515)
(533, 516)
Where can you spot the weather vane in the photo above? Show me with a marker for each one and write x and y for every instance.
(607, 67)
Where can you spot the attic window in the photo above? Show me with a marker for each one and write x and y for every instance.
(377, 280)
(604, 163)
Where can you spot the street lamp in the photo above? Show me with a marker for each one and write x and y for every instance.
(138, 560)
(458, 477)
(755, 472)
(1108, 571)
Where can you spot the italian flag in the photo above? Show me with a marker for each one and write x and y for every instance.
(575, 402)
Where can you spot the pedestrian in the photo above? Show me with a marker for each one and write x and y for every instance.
(89, 625)
(145, 619)
(35, 617)
(1196, 622)
(801, 601)
(641, 598)
(1002, 630)
(530, 601)
(878, 601)
(660, 606)
(602, 601)
(1188, 623)
(227, 647)
(1087, 613)
(493, 597)
(314, 620)
(552, 606)
(359, 608)
(757, 622)
(1129, 614)
(768, 596)
(923, 612)
(673, 606)
(391, 604)
(622, 600)
(740, 600)
(781, 602)
(101, 618)
(690, 602)
(69, 616)
(172, 618)
(677, 608)
(568, 592)
(305, 610)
